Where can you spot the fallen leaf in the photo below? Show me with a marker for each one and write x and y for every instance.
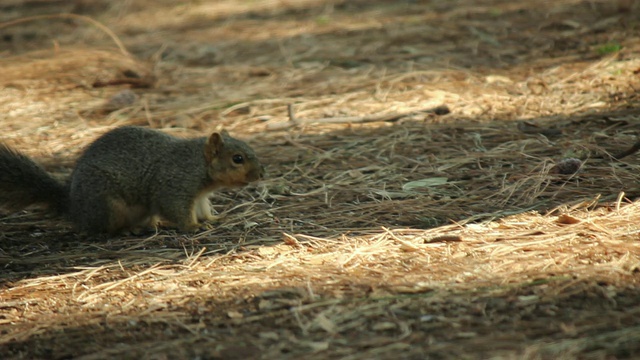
(444, 238)
(568, 219)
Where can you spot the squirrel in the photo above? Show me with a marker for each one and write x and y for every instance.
(130, 177)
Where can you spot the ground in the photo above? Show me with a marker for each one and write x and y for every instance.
(445, 179)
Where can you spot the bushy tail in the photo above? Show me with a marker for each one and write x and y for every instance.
(24, 183)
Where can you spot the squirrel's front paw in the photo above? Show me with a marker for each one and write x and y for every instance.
(212, 218)
(207, 226)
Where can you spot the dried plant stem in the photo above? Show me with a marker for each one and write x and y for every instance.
(394, 116)
(95, 23)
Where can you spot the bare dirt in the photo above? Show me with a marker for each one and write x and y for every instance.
(499, 226)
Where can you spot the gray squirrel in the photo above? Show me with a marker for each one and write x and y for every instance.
(130, 177)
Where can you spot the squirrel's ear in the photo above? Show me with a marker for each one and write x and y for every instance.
(224, 133)
(215, 142)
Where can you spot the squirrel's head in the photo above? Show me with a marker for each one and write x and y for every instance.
(232, 163)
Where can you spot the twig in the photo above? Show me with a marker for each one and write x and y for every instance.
(292, 116)
(95, 23)
(634, 148)
(294, 122)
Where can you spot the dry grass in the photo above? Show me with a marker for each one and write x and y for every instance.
(429, 236)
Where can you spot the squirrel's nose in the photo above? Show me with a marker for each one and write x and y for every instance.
(256, 173)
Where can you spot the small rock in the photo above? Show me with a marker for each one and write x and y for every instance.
(568, 166)
(121, 100)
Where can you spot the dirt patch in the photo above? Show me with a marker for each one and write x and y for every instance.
(502, 228)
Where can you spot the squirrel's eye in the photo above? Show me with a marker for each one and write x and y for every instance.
(238, 159)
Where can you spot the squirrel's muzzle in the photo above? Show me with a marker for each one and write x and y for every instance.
(258, 173)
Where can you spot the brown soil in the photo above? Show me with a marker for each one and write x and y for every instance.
(386, 229)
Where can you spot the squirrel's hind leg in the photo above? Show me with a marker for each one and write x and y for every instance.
(103, 214)
(127, 217)
(182, 214)
(146, 225)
